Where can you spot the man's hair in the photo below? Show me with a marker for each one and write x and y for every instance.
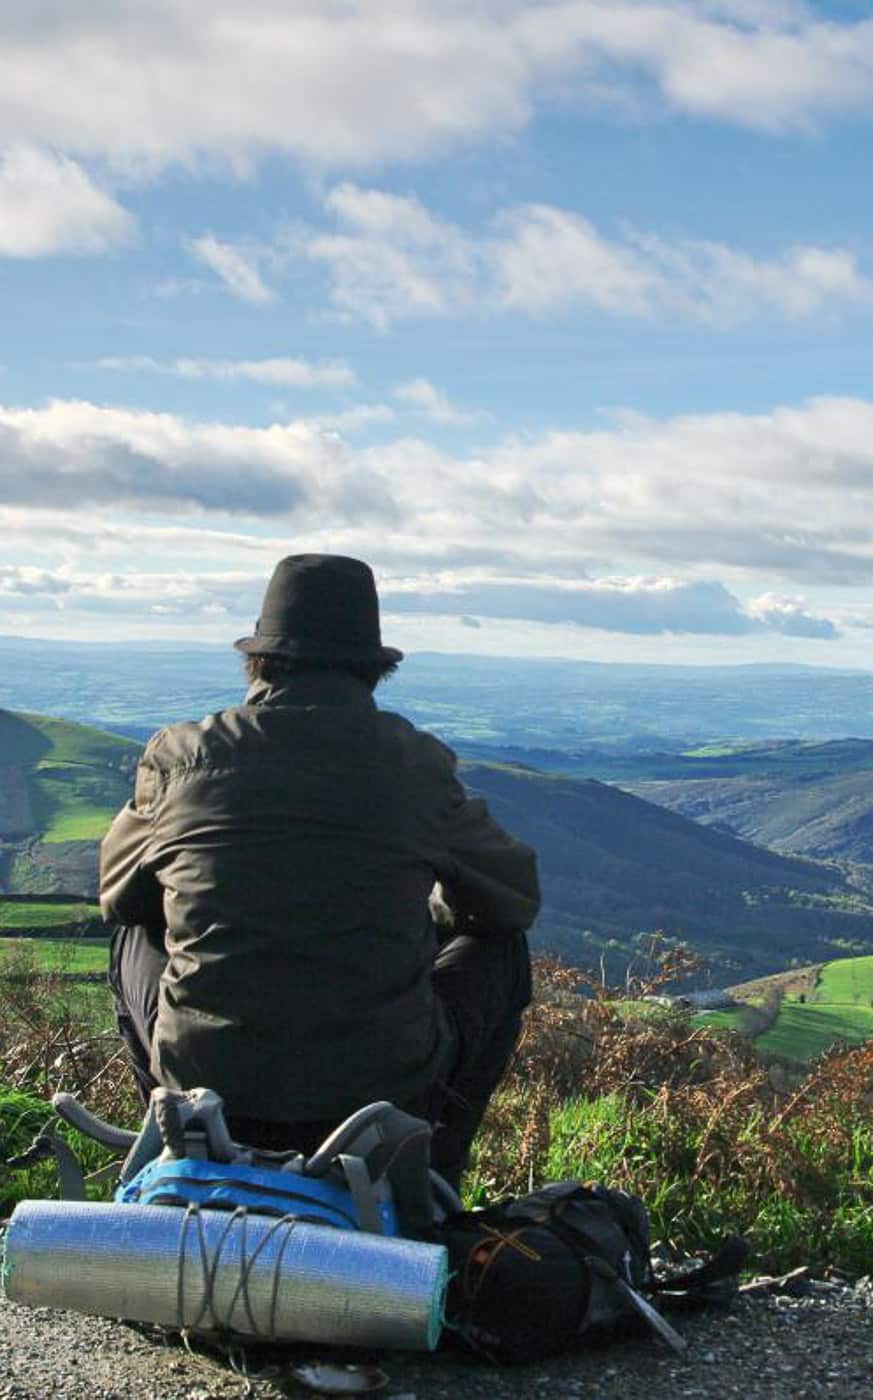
(273, 668)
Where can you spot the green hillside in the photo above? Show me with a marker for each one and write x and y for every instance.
(60, 786)
(839, 1007)
(31, 739)
(802, 1033)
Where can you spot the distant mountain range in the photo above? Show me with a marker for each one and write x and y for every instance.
(804, 799)
(613, 866)
(524, 704)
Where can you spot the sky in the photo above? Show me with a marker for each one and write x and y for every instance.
(558, 312)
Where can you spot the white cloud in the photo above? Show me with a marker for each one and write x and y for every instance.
(133, 592)
(642, 606)
(547, 259)
(360, 83)
(284, 371)
(80, 456)
(772, 501)
(236, 267)
(790, 616)
(360, 415)
(50, 205)
(722, 284)
(394, 259)
(434, 403)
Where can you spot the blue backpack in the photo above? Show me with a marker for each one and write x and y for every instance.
(372, 1173)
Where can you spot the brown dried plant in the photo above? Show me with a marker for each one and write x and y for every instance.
(52, 1039)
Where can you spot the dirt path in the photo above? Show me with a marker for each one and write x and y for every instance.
(791, 1348)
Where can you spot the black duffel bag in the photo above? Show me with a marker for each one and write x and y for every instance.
(538, 1275)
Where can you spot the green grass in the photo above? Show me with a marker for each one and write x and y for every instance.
(840, 1007)
(72, 804)
(22, 1117)
(848, 982)
(19, 914)
(829, 1220)
(61, 954)
(726, 1020)
(89, 1003)
(802, 1033)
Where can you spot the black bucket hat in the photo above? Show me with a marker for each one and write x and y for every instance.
(320, 607)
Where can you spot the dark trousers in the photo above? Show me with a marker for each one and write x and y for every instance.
(484, 985)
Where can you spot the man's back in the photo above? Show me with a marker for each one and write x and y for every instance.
(295, 841)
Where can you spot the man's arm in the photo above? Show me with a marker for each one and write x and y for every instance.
(129, 892)
(490, 879)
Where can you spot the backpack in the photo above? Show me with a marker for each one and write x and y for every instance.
(372, 1173)
(535, 1276)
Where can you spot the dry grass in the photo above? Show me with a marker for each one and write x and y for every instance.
(688, 1119)
(56, 1035)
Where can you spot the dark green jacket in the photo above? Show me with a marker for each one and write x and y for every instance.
(288, 847)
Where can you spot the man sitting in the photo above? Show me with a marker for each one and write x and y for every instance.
(271, 879)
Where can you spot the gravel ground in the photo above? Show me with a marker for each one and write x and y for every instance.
(794, 1348)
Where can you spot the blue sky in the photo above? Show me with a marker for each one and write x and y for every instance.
(559, 312)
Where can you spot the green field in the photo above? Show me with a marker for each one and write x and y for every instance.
(839, 1007)
(720, 1020)
(76, 804)
(848, 982)
(802, 1033)
(61, 954)
(15, 914)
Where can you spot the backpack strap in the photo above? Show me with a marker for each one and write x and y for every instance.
(67, 1106)
(359, 1183)
(446, 1201)
(395, 1147)
(71, 1178)
(187, 1123)
(359, 1133)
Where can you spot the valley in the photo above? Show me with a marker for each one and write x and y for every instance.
(614, 867)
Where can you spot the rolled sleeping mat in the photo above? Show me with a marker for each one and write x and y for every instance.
(210, 1271)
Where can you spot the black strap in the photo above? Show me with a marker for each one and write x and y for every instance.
(725, 1264)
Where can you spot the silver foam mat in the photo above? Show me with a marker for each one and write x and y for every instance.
(208, 1271)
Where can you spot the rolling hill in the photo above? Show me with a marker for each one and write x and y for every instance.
(613, 866)
(804, 799)
(60, 785)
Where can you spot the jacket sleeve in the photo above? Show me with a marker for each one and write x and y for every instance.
(129, 891)
(490, 878)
